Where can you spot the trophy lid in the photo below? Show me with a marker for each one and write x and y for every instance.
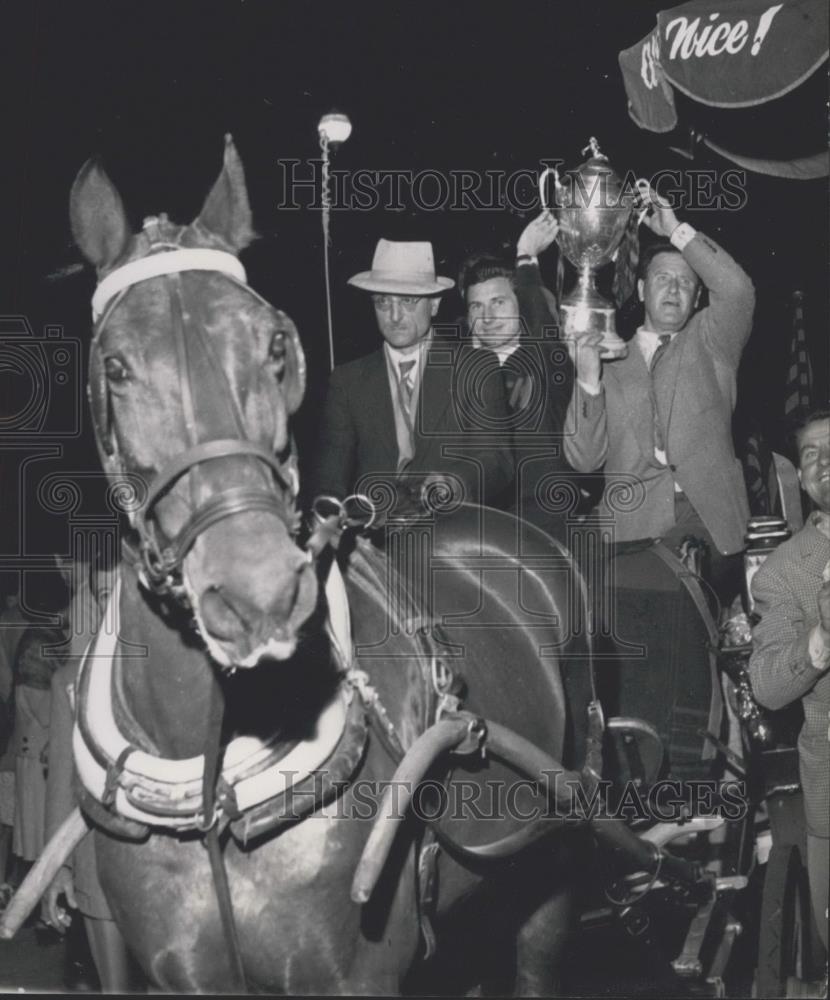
(597, 159)
(593, 183)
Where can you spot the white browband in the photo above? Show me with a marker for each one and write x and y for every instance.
(167, 262)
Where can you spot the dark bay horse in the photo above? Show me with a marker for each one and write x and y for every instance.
(193, 379)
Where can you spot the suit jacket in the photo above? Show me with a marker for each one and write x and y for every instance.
(462, 410)
(695, 389)
(540, 378)
(786, 589)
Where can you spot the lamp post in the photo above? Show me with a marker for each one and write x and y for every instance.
(333, 129)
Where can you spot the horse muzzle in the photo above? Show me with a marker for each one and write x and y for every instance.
(251, 594)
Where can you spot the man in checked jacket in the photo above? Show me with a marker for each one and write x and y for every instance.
(791, 646)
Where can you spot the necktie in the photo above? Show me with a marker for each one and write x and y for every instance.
(659, 441)
(407, 383)
(518, 387)
(518, 380)
(665, 340)
(406, 388)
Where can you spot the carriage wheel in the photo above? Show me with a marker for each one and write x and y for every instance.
(784, 946)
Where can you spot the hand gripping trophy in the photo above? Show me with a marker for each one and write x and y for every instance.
(594, 209)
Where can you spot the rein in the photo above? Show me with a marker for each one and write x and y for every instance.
(213, 754)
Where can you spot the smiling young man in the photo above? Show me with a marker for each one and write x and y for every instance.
(510, 313)
(492, 308)
(791, 645)
(659, 421)
(420, 408)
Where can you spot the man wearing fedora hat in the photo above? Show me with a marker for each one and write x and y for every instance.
(423, 408)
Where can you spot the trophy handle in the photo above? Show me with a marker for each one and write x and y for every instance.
(542, 178)
(644, 190)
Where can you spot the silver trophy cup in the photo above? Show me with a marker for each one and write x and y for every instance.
(593, 209)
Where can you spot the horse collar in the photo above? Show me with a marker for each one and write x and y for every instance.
(144, 787)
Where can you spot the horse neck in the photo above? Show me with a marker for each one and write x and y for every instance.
(167, 678)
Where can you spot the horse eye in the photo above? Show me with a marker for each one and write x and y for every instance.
(116, 370)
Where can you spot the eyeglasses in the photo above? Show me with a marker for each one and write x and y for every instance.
(407, 302)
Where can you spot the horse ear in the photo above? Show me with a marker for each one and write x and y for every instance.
(96, 212)
(226, 211)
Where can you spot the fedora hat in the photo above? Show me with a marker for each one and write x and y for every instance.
(402, 269)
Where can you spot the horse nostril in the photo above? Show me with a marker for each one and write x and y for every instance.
(223, 618)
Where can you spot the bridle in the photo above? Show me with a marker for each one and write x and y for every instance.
(160, 560)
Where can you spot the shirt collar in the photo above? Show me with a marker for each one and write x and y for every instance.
(648, 341)
(652, 339)
(396, 356)
(503, 353)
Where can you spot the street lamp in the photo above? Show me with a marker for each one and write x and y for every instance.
(333, 129)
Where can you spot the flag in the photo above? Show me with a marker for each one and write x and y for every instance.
(756, 462)
(626, 261)
(797, 399)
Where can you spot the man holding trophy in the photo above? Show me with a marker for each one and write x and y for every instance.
(657, 417)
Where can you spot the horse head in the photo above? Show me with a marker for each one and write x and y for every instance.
(193, 379)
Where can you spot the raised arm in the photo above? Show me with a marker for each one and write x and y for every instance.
(537, 311)
(586, 427)
(727, 322)
(540, 318)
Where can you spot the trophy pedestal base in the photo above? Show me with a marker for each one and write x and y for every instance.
(579, 319)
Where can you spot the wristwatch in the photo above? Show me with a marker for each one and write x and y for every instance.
(682, 234)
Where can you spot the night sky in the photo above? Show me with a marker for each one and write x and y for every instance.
(152, 88)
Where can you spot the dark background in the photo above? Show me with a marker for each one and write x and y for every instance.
(153, 87)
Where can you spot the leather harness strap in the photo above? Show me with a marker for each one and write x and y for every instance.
(213, 753)
(161, 562)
